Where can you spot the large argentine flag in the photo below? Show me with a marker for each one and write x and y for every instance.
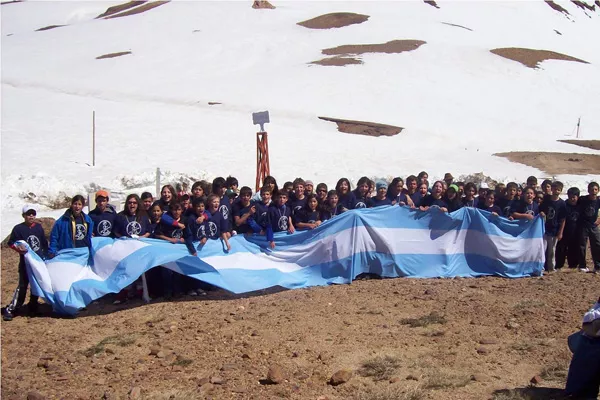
(388, 241)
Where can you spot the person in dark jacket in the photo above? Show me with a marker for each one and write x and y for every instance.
(73, 229)
(103, 215)
(32, 233)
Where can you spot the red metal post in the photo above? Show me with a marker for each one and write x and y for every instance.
(262, 158)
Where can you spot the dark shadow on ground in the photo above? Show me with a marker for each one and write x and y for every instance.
(530, 393)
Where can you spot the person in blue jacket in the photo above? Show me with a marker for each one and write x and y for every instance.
(73, 229)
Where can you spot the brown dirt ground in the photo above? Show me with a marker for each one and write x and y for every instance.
(47, 28)
(337, 61)
(113, 55)
(531, 58)
(557, 163)
(556, 7)
(334, 20)
(364, 128)
(590, 144)
(584, 6)
(138, 10)
(120, 7)
(431, 3)
(394, 46)
(262, 4)
(494, 336)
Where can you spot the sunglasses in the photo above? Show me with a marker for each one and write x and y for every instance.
(28, 213)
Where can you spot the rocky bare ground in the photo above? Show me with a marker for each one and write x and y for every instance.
(375, 339)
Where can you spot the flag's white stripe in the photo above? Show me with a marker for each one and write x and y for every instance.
(363, 239)
(64, 274)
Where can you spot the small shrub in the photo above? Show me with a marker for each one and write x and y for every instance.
(529, 304)
(445, 380)
(121, 341)
(392, 392)
(556, 371)
(380, 368)
(182, 361)
(426, 320)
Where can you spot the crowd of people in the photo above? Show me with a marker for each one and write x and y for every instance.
(220, 209)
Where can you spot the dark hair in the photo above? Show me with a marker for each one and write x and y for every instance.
(592, 184)
(174, 206)
(288, 183)
(331, 193)
(197, 184)
(558, 184)
(392, 193)
(265, 189)
(546, 182)
(531, 180)
(573, 191)
(529, 188)
(421, 174)
(245, 190)
(78, 197)
(470, 185)
(157, 203)
(146, 195)
(198, 200)
(269, 180)
(217, 184)
(184, 197)
(139, 212)
(362, 181)
(339, 185)
(231, 181)
(321, 186)
(410, 178)
(298, 181)
(171, 189)
(309, 197)
(511, 185)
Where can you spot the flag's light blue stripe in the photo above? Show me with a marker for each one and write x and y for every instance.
(388, 241)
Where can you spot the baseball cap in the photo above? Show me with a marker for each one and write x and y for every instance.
(28, 207)
(308, 183)
(453, 187)
(102, 193)
(484, 186)
(448, 175)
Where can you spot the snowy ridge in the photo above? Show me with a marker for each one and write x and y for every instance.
(458, 102)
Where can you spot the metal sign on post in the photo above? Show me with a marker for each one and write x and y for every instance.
(262, 147)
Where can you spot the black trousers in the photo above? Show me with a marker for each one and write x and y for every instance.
(593, 235)
(19, 296)
(568, 248)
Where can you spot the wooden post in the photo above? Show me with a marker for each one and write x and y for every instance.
(93, 138)
(262, 158)
(578, 123)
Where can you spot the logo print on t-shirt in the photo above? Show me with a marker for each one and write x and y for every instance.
(212, 228)
(104, 228)
(530, 212)
(283, 223)
(360, 204)
(574, 216)
(506, 211)
(551, 213)
(589, 212)
(80, 231)
(224, 211)
(133, 228)
(201, 231)
(177, 233)
(33, 242)
(297, 208)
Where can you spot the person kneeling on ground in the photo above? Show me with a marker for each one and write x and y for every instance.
(583, 380)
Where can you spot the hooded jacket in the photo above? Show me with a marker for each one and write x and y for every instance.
(63, 232)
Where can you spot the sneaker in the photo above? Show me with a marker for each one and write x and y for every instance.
(192, 293)
(7, 315)
(584, 269)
